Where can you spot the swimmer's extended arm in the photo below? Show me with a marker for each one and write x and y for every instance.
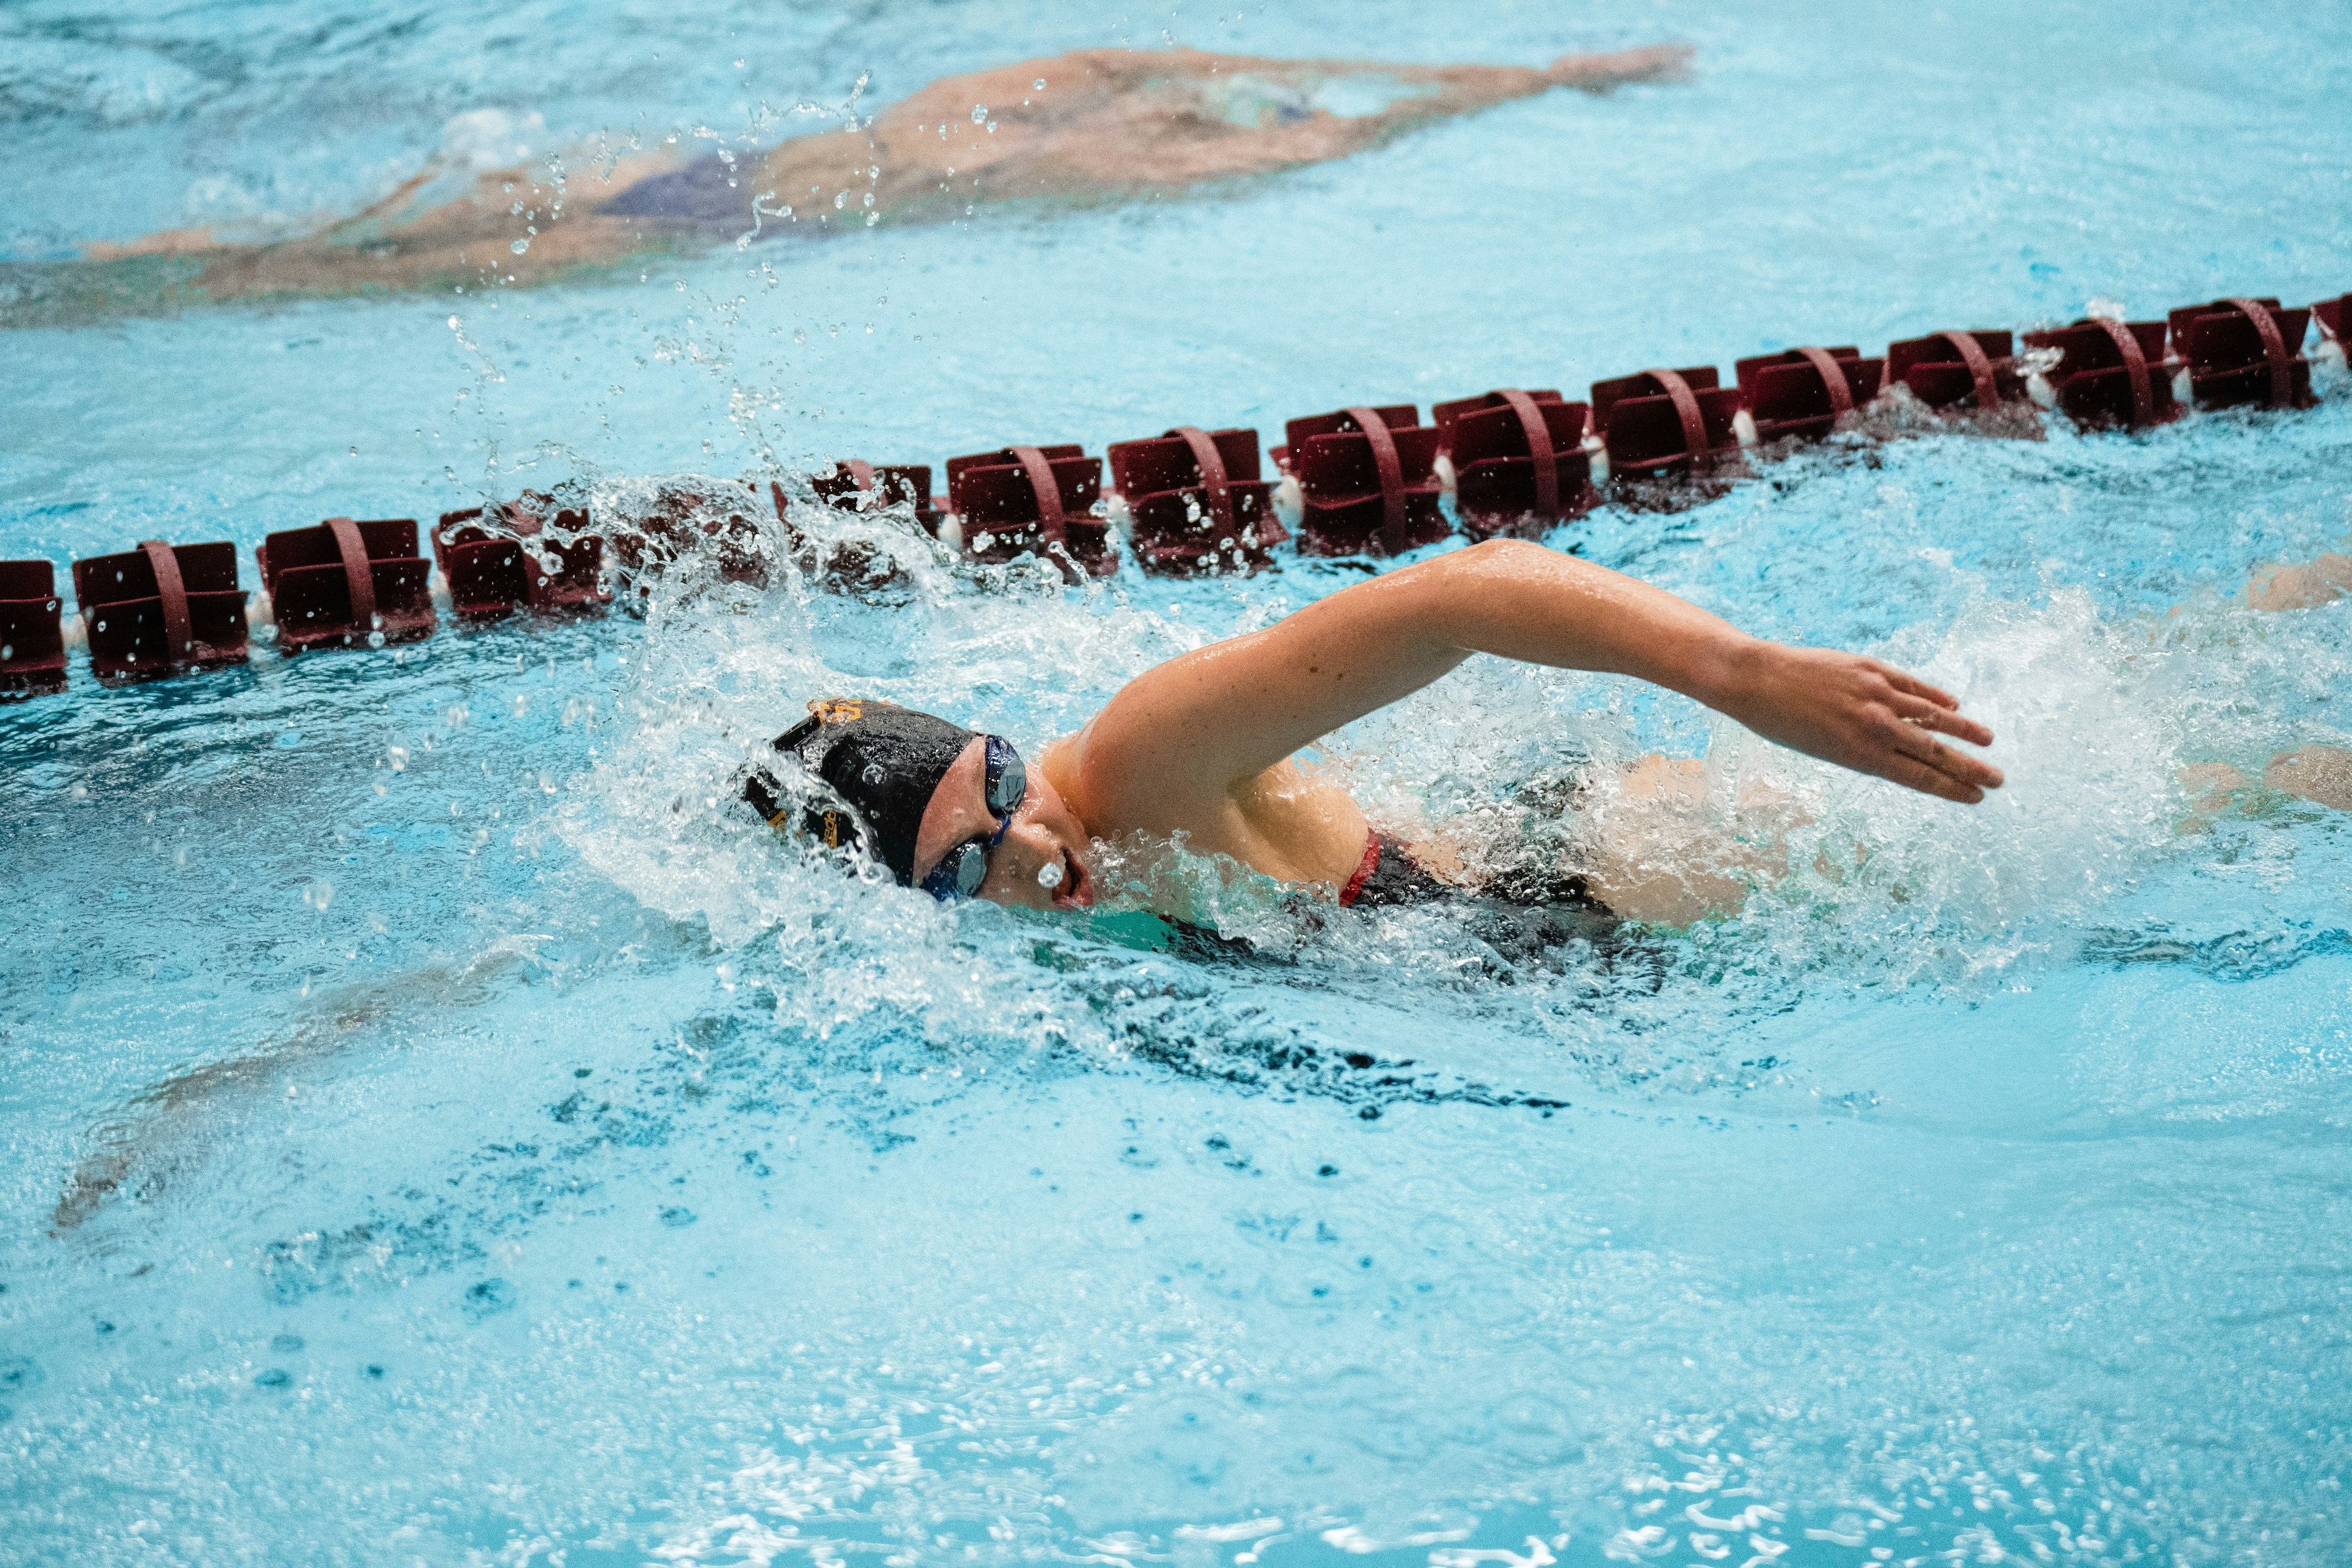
(1186, 734)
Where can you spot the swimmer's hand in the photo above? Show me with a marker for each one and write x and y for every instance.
(1858, 714)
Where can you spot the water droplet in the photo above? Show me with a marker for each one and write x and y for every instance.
(840, 200)
(355, 451)
(1040, 84)
(375, 639)
(519, 245)
(398, 757)
(979, 114)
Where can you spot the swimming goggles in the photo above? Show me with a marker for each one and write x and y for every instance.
(963, 868)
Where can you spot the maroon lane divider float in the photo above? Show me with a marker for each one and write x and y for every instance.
(161, 608)
(1519, 462)
(1801, 394)
(1955, 369)
(344, 583)
(2111, 372)
(491, 574)
(32, 632)
(1020, 499)
(2239, 351)
(1668, 424)
(2334, 318)
(1196, 502)
(1367, 479)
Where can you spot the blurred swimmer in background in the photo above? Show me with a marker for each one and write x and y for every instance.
(1089, 127)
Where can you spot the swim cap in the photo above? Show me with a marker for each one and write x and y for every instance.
(884, 760)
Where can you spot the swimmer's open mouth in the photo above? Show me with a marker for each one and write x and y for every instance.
(1076, 891)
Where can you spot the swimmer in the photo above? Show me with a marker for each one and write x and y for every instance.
(2319, 773)
(1092, 126)
(1204, 745)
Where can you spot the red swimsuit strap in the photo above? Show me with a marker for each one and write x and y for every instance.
(1371, 863)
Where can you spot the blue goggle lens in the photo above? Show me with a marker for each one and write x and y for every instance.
(1007, 783)
(963, 868)
(960, 874)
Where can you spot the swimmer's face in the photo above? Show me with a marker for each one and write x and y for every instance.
(1043, 833)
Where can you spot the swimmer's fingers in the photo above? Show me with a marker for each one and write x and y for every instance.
(1912, 686)
(1925, 698)
(1935, 711)
(1913, 774)
(1972, 776)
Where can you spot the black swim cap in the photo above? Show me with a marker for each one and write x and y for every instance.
(886, 762)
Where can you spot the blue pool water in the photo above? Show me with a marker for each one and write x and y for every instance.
(438, 1129)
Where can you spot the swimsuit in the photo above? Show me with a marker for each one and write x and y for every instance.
(1388, 876)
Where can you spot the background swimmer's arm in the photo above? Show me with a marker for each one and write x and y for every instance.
(2304, 585)
(1179, 739)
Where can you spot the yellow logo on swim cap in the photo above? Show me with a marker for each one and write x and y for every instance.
(839, 710)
